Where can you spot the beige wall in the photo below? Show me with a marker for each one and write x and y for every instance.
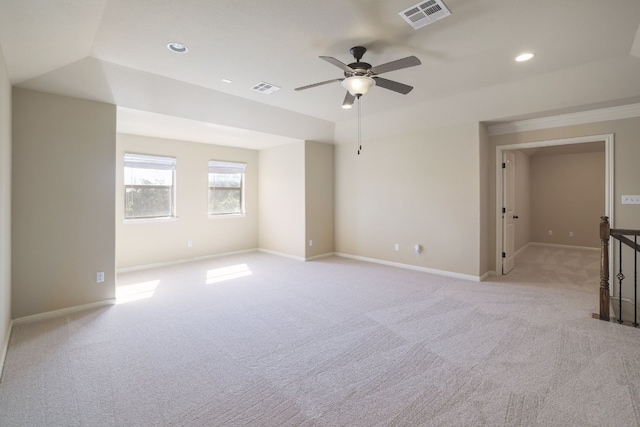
(149, 242)
(63, 193)
(484, 199)
(5, 207)
(567, 195)
(626, 171)
(282, 224)
(319, 174)
(413, 189)
(523, 199)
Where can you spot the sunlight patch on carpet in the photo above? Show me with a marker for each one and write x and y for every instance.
(221, 274)
(136, 292)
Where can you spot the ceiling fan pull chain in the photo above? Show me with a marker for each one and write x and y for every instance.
(359, 127)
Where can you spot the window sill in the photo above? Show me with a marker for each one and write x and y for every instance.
(149, 220)
(228, 216)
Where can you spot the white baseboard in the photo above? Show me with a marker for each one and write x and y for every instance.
(5, 348)
(327, 255)
(552, 245)
(62, 312)
(413, 267)
(522, 249)
(487, 274)
(205, 257)
(282, 254)
(181, 261)
(297, 258)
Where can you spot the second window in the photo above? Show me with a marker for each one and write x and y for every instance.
(226, 188)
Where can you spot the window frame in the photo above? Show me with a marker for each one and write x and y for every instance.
(219, 166)
(152, 162)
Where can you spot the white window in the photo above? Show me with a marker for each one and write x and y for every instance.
(226, 188)
(149, 190)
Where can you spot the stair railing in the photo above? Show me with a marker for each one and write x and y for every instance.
(606, 233)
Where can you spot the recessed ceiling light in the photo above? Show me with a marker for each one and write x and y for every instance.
(177, 47)
(524, 57)
(226, 80)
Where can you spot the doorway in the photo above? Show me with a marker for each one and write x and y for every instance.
(501, 236)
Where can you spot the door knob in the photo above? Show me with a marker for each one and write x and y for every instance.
(515, 217)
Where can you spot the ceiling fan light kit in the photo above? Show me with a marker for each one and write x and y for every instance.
(358, 85)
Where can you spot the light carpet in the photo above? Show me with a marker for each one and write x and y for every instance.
(260, 340)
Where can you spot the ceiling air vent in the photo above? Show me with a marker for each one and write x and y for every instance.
(264, 87)
(425, 13)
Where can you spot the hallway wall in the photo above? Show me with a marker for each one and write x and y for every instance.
(567, 195)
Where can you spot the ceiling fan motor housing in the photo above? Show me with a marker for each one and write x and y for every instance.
(359, 69)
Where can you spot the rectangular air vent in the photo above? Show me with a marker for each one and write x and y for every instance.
(425, 13)
(264, 87)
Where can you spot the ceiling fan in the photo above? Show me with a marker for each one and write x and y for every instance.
(359, 77)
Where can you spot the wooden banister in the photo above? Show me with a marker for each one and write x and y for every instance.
(633, 245)
(623, 232)
(605, 231)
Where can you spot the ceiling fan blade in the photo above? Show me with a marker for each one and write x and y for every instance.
(348, 100)
(398, 64)
(394, 86)
(337, 63)
(318, 84)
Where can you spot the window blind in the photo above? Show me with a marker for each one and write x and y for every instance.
(216, 166)
(142, 161)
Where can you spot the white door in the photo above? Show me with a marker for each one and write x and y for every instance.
(508, 215)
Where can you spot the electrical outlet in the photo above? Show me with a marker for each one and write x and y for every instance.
(397, 247)
(550, 232)
(100, 277)
(189, 244)
(310, 242)
(571, 234)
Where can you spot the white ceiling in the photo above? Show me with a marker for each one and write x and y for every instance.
(587, 54)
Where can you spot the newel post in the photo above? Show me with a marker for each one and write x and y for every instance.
(604, 267)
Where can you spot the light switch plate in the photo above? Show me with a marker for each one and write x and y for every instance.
(630, 200)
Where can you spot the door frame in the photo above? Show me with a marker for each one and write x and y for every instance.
(608, 177)
(508, 214)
